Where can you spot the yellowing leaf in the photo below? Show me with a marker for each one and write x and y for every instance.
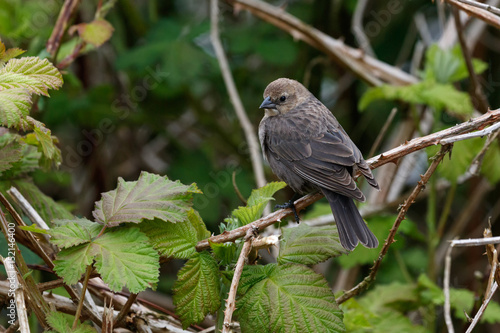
(96, 32)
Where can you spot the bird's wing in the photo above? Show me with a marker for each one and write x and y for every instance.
(317, 151)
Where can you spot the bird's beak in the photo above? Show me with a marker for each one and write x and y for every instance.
(267, 104)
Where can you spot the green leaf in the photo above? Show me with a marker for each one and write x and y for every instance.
(265, 193)
(72, 262)
(14, 106)
(74, 232)
(196, 292)
(96, 32)
(293, 298)
(177, 240)
(224, 252)
(256, 204)
(123, 257)
(391, 297)
(151, 196)
(309, 245)
(6, 55)
(10, 152)
(34, 228)
(436, 95)
(447, 66)
(46, 144)
(62, 323)
(32, 74)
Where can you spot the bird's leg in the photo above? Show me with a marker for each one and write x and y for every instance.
(290, 204)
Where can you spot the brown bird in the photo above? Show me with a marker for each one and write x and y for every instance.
(308, 149)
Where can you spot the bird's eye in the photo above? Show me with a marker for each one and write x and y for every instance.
(282, 98)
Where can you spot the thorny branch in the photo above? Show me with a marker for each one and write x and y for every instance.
(231, 298)
(401, 216)
(392, 155)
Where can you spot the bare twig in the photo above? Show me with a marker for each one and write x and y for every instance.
(481, 310)
(401, 216)
(475, 241)
(231, 298)
(82, 296)
(27, 208)
(476, 163)
(392, 155)
(107, 318)
(125, 309)
(383, 131)
(446, 287)
(20, 308)
(253, 143)
(364, 66)
(357, 28)
(34, 296)
(65, 14)
(478, 97)
(479, 13)
(484, 6)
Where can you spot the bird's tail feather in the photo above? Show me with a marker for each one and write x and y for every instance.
(351, 226)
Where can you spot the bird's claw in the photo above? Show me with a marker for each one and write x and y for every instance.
(289, 204)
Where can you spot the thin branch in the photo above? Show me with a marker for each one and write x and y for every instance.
(475, 241)
(484, 6)
(479, 13)
(65, 14)
(82, 296)
(477, 93)
(357, 28)
(446, 287)
(481, 310)
(401, 216)
(125, 309)
(13, 278)
(253, 143)
(364, 66)
(392, 155)
(231, 298)
(27, 208)
(383, 131)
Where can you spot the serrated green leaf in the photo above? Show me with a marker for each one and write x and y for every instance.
(388, 297)
(126, 258)
(123, 257)
(196, 292)
(63, 323)
(177, 240)
(224, 252)
(6, 55)
(265, 193)
(255, 204)
(46, 144)
(309, 245)
(10, 152)
(32, 74)
(74, 232)
(252, 275)
(293, 298)
(14, 106)
(72, 262)
(151, 196)
(96, 32)
(447, 66)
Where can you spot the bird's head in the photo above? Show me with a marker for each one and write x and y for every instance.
(282, 95)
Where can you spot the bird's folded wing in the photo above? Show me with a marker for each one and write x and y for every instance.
(325, 161)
